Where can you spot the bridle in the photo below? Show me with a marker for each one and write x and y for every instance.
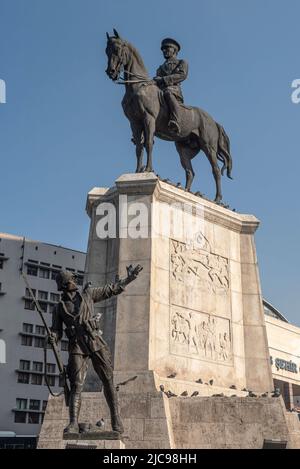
(138, 78)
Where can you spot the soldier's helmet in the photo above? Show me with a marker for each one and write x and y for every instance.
(63, 277)
(168, 41)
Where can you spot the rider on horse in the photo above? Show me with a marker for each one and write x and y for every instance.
(168, 77)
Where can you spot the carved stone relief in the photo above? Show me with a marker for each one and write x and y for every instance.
(200, 335)
(199, 268)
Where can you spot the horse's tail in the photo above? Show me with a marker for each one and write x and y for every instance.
(224, 151)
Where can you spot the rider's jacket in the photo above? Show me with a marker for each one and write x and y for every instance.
(173, 72)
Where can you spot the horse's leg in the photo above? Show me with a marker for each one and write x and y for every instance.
(149, 129)
(138, 140)
(186, 155)
(212, 157)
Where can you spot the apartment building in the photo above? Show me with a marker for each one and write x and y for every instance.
(23, 389)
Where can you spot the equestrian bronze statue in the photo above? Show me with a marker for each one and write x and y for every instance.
(155, 107)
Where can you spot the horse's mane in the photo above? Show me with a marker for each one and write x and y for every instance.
(137, 55)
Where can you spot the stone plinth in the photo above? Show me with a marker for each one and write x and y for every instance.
(153, 421)
(196, 309)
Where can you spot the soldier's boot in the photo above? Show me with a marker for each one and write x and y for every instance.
(74, 409)
(112, 401)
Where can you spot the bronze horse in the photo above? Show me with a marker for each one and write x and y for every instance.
(144, 106)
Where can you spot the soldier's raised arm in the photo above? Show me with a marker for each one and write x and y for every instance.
(112, 289)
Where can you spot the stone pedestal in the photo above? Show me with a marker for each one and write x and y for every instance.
(196, 309)
(188, 335)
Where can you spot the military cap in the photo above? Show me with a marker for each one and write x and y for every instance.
(63, 277)
(170, 42)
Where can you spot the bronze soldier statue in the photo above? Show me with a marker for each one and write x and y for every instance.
(169, 76)
(76, 312)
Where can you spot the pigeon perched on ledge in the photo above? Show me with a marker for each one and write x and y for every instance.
(199, 381)
(172, 375)
(170, 394)
(195, 393)
(184, 393)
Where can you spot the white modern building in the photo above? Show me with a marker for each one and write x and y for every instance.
(23, 389)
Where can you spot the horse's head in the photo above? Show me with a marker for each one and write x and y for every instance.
(116, 55)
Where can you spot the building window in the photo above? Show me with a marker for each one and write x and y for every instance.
(39, 342)
(27, 292)
(28, 304)
(44, 405)
(20, 417)
(43, 295)
(51, 380)
(27, 328)
(50, 367)
(26, 340)
(80, 280)
(40, 330)
(34, 404)
(44, 273)
(32, 270)
(64, 345)
(61, 382)
(24, 365)
(23, 378)
(37, 366)
(44, 306)
(54, 297)
(21, 404)
(36, 379)
(54, 274)
(33, 418)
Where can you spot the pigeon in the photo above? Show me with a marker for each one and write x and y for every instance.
(233, 395)
(233, 386)
(218, 395)
(199, 381)
(195, 393)
(170, 394)
(211, 382)
(184, 393)
(100, 423)
(172, 375)
(179, 185)
(245, 390)
(276, 392)
(198, 194)
(265, 394)
(162, 388)
(251, 394)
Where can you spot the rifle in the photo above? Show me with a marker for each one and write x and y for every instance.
(61, 366)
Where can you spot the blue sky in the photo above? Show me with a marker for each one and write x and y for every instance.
(62, 130)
